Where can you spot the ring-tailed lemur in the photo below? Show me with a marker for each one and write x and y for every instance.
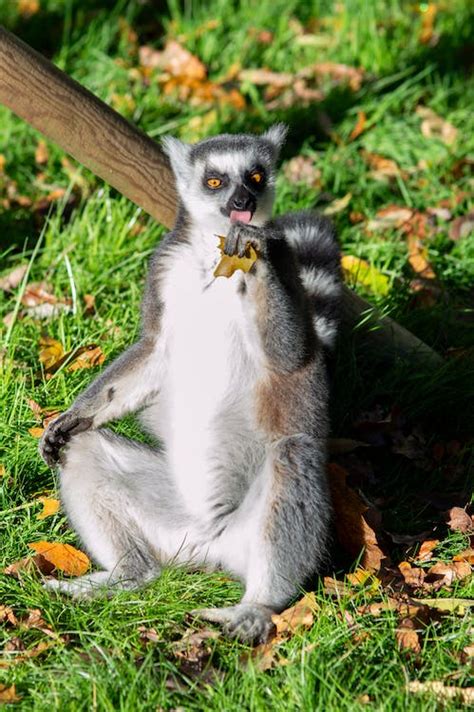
(230, 376)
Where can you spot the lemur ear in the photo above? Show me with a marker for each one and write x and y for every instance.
(276, 134)
(178, 153)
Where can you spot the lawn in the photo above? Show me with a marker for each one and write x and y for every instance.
(383, 134)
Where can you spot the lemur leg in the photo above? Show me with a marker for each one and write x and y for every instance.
(289, 508)
(119, 499)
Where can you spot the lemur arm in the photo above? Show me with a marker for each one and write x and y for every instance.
(127, 384)
(281, 307)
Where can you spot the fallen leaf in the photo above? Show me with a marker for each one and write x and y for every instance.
(427, 22)
(334, 587)
(359, 577)
(11, 280)
(27, 8)
(359, 126)
(89, 302)
(445, 574)
(8, 694)
(442, 692)
(301, 169)
(35, 407)
(418, 258)
(426, 550)
(3, 471)
(466, 555)
(337, 206)
(36, 432)
(41, 153)
(360, 272)
(87, 357)
(50, 507)
(19, 657)
(51, 352)
(433, 126)
(38, 293)
(458, 520)
(7, 615)
(468, 652)
(64, 557)
(266, 76)
(341, 73)
(194, 645)
(29, 565)
(407, 636)
(230, 263)
(149, 634)
(175, 59)
(413, 577)
(353, 531)
(393, 216)
(461, 227)
(459, 606)
(301, 615)
(381, 166)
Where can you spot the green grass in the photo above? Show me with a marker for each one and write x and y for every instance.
(102, 663)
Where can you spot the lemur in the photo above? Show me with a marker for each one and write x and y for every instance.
(229, 375)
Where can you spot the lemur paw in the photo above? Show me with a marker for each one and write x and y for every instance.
(240, 236)
(58, 433)
(249, 622)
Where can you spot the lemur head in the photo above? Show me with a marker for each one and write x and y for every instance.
(227, 177)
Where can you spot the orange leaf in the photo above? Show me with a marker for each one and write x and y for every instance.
(8, 694)
(359, 127)
(41, 153)
(466, 555)
(426, 550)
(64, 557)
(299, 615)
(88, 357)
(413, 577)
(50, 507)
(36, 432)
(418, 258)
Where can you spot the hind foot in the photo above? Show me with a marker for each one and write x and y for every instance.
(249, 622)
(100, 584)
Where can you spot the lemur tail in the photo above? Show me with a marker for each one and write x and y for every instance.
(313, 238)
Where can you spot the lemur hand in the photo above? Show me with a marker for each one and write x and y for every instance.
(59, 432)
(240, 235)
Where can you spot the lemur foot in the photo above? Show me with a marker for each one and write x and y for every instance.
(241, 235)
(58, 433)
(249, 622)
(95, 585)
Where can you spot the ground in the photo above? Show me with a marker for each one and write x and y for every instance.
(391, 126)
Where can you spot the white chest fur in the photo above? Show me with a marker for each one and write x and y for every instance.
(208, 373)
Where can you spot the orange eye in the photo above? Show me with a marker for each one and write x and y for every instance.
(214, 182)
(256, 177)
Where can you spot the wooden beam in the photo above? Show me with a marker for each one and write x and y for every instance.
(130, 161)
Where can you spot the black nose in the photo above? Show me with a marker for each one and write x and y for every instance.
(242, 200)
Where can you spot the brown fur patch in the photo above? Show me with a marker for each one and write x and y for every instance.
(283, 401)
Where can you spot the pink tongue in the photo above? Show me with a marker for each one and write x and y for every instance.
(244, 216)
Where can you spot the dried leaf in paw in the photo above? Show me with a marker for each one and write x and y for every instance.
(230, 263)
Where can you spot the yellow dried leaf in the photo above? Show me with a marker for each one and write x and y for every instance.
(358, 271)
(359, 577)
(3, 471)
(64, 557)
(230, 263)
(459, 606)
(2, 163)
(51, 352)
(418, 258)
(50, 507)
(36, 432)
(337, 206)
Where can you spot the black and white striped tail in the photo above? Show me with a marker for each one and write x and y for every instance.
(313, 238)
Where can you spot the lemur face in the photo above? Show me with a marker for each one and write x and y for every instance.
(227, 178)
